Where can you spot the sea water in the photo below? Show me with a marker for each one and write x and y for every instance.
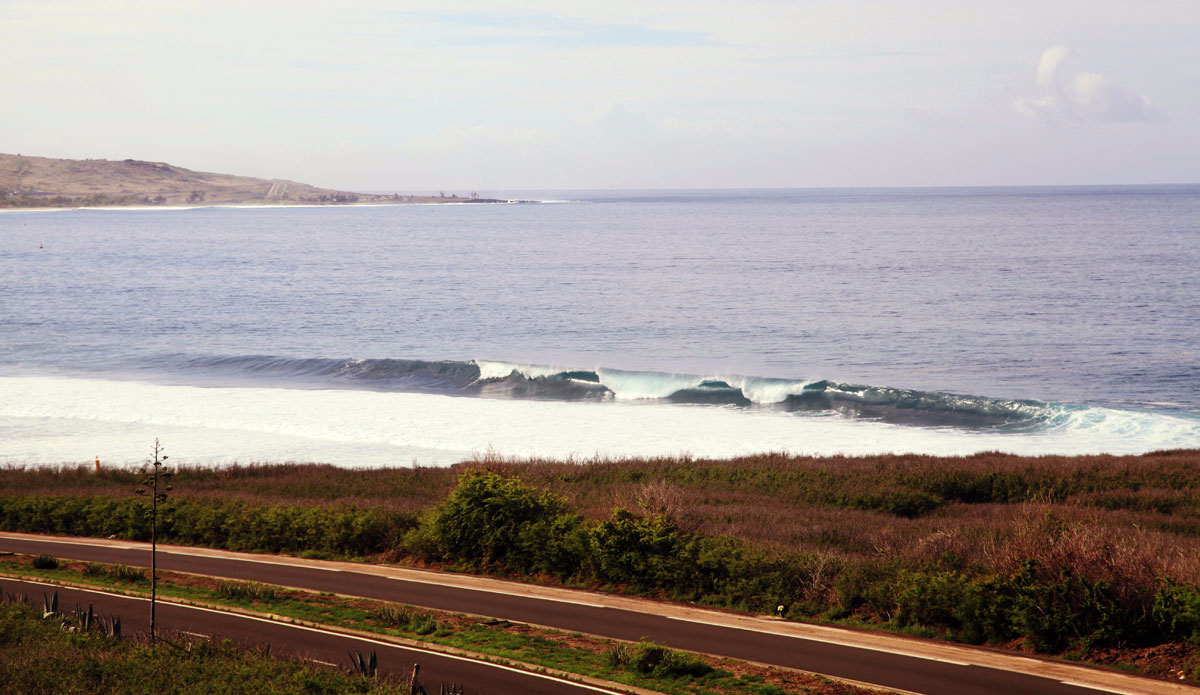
(710, 323)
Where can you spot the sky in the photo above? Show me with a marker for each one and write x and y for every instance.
(376, 95)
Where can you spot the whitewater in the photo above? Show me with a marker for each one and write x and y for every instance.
(711, 324)
(114, 421)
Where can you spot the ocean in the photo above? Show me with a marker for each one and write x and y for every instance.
(604, 324)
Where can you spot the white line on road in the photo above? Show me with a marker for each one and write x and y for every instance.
(1102, 689)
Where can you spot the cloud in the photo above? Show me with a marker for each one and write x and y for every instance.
(1085, 97)
(1047, 69)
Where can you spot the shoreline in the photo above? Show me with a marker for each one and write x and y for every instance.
(263, 206)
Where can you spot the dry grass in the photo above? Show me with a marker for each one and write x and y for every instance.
(1120, 517)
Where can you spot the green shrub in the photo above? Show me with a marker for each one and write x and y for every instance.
(656, 660)
(493, 521)
(986, 612)
(1057, 610)
(407, 619)
(1176, 610)
(931, 598)
(644, 552)
(651, 659)
(45, 562)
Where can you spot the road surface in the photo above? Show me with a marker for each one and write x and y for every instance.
(317, 645)
(915, 666)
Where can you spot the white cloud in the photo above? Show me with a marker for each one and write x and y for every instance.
(1047, 69)
(1084, 97)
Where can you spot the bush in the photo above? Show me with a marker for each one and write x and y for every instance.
(1055, 611)
(493, 521)
(644, 552)
(407, 619)
(656, 660)
(1176, 610)
(931, 598)
(45, 562)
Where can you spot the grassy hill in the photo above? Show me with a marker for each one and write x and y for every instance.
(45, 182)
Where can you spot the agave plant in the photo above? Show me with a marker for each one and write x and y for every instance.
(366, 666)
(111, 626)
(50, 605)
(86, 619)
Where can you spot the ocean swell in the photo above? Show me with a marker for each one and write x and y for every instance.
(493, 379)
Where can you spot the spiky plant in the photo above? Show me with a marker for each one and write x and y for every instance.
(364, 665)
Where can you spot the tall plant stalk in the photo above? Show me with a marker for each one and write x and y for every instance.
(155, 484)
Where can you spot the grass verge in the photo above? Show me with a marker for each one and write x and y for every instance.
(38, 656)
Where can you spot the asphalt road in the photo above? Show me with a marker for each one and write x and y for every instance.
(928, 676)
(325, 647)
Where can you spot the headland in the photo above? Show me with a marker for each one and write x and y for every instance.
(43, 182)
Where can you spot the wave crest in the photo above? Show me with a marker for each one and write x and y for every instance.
(493, 379)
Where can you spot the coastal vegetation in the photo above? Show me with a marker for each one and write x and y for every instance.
(1092, 557)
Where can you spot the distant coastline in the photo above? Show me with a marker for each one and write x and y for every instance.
(41, 183)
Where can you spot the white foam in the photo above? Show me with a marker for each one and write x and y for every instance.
(761, 390)
(499, 370)
(54, 420)
(636, 385)
(632, 386)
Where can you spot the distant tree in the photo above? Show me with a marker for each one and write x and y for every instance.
(196, 196)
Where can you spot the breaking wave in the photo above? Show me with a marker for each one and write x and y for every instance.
(491, 379)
